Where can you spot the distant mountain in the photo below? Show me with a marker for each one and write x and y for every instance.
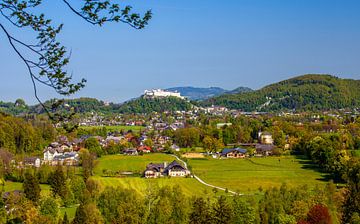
(240, 90)
(303, 93)
(195, 93)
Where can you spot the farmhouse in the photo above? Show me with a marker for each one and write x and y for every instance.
(264, 150)
(174, 169)
(154, 170)
(234, 153)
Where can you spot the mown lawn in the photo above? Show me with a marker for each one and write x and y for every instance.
(135, 164)
(248, 175)
(116, 128)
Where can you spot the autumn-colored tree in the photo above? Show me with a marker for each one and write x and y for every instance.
(319, 214)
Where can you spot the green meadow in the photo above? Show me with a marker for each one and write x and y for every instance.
(11, 186)
(189, 186)
(115, 128)
(242, 175)
(248, 175)
(136, 164)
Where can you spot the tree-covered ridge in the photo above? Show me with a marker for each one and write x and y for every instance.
(20, 136)
(149, 105)
(85, 105)
(303, 93)
(79, 105)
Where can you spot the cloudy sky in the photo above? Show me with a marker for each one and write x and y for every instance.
(198, 43)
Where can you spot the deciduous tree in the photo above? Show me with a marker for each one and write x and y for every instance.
(45, 58)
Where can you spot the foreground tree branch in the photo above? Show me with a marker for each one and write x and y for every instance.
(46, 59)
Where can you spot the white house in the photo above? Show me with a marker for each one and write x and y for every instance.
(266, 138)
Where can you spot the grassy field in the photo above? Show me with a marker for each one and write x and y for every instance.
(247, 175)
(70, 212)
(11, 186)
(45, 191)
(116, 128)
(189, 186)
(243, 175)
(130, 163)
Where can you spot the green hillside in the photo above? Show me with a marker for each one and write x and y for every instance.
(148, 105)
(308, 92)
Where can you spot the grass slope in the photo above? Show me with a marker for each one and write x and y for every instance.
(247, 175)
(189, 186)
(130, 163)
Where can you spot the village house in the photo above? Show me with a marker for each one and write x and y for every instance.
(264, 150)
(266, 138)
(154, 170)
(32, 161)
(144, 149)
(56, 154)
(174, 169)
(114, 139)
(130, 152)
(175, 148)
(234, 153)
(66, 159)
(50, 153)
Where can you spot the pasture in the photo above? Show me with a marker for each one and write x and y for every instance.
(115, 128)
(136, 164)
(248, 175)
(189, 186)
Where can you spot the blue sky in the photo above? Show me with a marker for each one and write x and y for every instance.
(199, 43)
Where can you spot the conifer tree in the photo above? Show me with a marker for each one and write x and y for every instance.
(31, 188)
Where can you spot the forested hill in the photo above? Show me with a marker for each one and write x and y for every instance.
(85, 105)
(303, 93)
(148, 105)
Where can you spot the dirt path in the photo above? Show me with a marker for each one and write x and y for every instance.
(203, 182)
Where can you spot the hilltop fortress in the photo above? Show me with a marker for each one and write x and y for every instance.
(158, 93)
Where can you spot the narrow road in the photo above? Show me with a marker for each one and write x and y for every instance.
(203, 182)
